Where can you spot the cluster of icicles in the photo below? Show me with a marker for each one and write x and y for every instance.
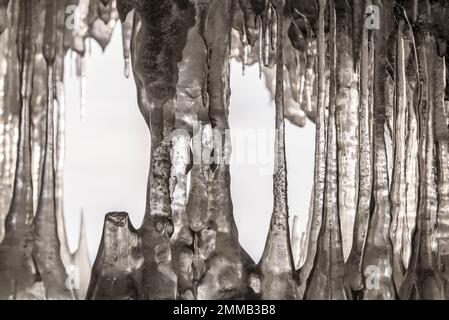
(371, 75)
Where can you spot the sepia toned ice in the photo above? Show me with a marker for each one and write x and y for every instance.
(370, 76)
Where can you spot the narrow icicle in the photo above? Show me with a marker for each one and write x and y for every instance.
(347, 124)
(354, 262)
(18, 274)
(423, 280)
(276, 265)
(327, 278)
(229, 266)
(320, 154)
(46, 251)
(378, 255)
(127, 29)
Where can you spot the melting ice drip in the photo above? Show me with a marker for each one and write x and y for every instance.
(379, 211)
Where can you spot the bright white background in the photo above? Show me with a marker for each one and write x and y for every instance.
(107, 156)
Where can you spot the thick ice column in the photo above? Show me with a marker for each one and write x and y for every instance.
(398, 184)
(46, 251)
(228, 264)
(159, 38)
(354, 262)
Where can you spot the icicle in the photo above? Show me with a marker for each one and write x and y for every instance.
(3, 15)
(5, 192)
(320, 155)
(327, 278)
(81, 74)
(423, 279)
(127, 28)
(101, 29)
(347, 126)
(277, 264)
(60, 137)
(354, 262)
(227, 258)
(46, 250)
(378, 253)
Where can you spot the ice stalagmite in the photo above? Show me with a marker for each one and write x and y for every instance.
(377, 259)
(18, 273)
(80, 266)
(278, 279)
(328, 279)
(115, 274)
(46, 251)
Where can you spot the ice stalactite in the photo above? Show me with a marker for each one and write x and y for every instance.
(46, 250)
(442, 145)
(423, 279)
(328, 279)
(320, 154)
(378, 254)
(18, 274)
(398, 184)
(278, 278)
(81, 74)
(374, 84)
(10, 108)
(127, 29)
(60, 143)
(347, 124)
(354, 262)
(230, 267)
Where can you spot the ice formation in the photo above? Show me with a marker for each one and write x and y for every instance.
(370, 75)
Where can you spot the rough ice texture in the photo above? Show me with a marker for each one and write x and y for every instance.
(378, 221)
